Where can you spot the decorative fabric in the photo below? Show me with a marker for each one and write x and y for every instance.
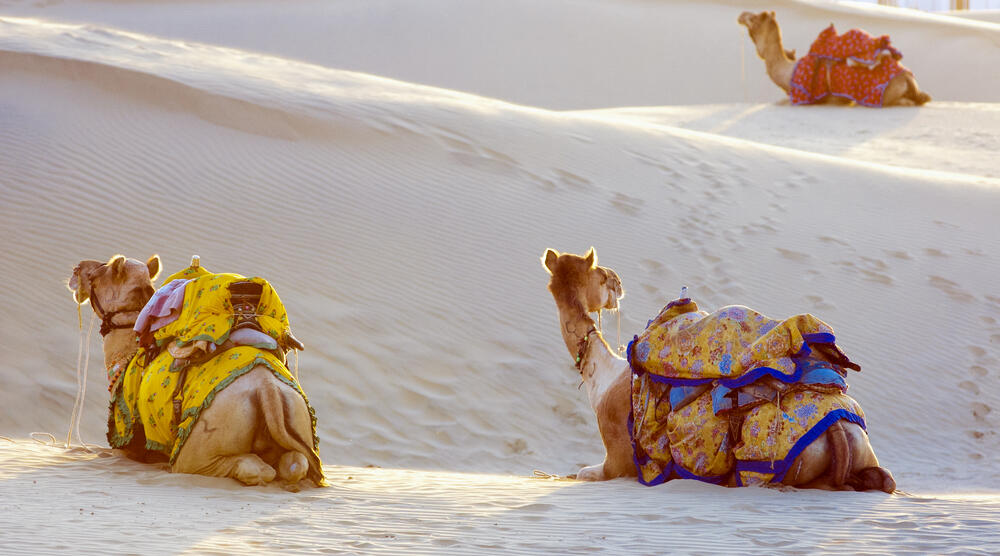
(775, 433)
(855, 66)
(733, 346)
(706, 389)
(161, 309)
(144, 395)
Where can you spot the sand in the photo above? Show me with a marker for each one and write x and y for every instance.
(397, 169)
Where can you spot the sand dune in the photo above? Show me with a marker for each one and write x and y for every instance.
(402, 225)
(559, 54)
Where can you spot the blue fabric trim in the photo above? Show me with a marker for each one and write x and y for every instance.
(685, 474)
(780, 467)
(820, 338)
(663, 477)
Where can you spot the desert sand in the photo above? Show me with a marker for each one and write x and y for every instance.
(396, 169)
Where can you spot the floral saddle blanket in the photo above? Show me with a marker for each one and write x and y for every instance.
(180, 367)
(855, 66)
(732, 397)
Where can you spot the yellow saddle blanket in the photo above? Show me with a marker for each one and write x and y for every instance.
(143, 397)
(731, 397)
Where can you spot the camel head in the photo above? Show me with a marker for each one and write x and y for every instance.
(578, 280)
(764, 30)
(119, 285)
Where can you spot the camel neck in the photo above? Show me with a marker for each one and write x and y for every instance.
(575, 325)
(779, 65)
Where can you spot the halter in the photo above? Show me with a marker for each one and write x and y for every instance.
(582, 349)
(106, 317)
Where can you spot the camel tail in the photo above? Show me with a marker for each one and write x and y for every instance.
(273, 406)
(840, 459)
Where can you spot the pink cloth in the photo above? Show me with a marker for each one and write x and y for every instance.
(864, 81)
(161, 309)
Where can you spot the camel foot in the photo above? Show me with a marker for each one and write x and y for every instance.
(250, 470)
(873, 478)
(591, 473)
(292, 467)
(921, 98)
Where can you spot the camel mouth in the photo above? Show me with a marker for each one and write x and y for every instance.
(745, 18)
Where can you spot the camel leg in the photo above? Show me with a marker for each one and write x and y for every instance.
(248, 469)
(814, 467)
(612, 419)
(221, 442)
(903, 91)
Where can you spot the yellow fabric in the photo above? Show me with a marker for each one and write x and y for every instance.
(144, 395)
(684, 343)
(769, 433)
(147, 393)
(699, 439)
(650, 409)
(704, 354)
(208, 315)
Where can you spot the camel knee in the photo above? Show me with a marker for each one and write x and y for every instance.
(292, 467)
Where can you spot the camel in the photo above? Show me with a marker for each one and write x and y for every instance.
(840, 459)
(902, 89)
(257, 428)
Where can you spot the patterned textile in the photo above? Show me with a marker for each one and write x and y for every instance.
(772, 437)
(734, 345)
(706, 388)
(855, 65)
(144, 395)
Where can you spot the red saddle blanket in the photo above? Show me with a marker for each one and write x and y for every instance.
(855, 66)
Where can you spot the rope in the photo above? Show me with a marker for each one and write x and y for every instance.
(79, 387)
(536, 474)
(52, 439)
(81, 392)
(296, 365)
(743, 64)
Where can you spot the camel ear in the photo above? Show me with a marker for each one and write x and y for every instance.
(153, 264)
(549, 260)
(591, 257)
(79, 282)
(117, 264)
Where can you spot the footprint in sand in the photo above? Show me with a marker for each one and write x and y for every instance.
(934, 252)
(829, 239)
(980, 411)
(573, 181)
(872, 273)
(651, 265)
(793, 255)
(951, 289)
(969, 386)
(818, 302)
(902, 255)
(978, 372)
(625, 204)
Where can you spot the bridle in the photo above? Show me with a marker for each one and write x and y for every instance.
(108, 316)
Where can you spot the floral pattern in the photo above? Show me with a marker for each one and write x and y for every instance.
(683, 345)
